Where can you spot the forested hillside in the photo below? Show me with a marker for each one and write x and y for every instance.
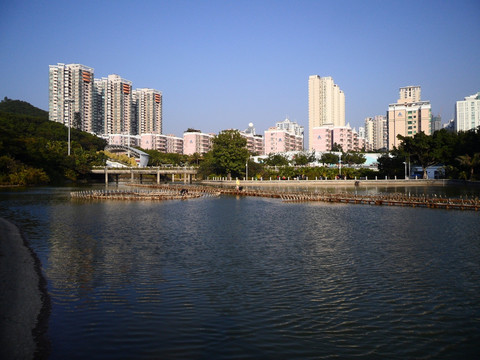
(33, 150)
(21, 107)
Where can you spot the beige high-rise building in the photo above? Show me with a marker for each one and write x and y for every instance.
(71, 95)
(410, 94)
(409, 116)
(326, 104)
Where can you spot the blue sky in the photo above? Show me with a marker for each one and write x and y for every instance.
(223, 64)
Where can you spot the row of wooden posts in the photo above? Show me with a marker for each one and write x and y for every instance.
(173, 192)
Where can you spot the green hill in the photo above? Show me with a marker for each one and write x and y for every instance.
(21, 107)
(33, 149)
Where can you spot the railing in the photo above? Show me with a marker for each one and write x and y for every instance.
(152, 168)
(326, 179)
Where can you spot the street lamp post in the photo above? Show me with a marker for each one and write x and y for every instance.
(69, 101)
(340, 166)
(246, 170)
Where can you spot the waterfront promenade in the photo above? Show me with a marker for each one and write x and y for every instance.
(335, 183)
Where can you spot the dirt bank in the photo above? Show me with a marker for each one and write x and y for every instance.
(24, 302)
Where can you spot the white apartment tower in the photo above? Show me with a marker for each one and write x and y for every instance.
(376, 132)
(467, 113)
(148, 111)
(326, 104)
(71, 95)
(118, 111)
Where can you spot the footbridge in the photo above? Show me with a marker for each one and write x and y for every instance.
(176, 173)
(140, 156)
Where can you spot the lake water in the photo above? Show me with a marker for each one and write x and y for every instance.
(253, 278)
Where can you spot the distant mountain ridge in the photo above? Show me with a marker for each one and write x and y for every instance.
(21, 107)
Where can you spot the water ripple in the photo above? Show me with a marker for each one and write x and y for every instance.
(255, 278)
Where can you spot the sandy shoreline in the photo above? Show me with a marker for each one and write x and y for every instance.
(24, 301)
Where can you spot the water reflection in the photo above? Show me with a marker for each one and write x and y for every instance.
(250, 277)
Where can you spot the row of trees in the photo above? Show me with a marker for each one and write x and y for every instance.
(457, 153)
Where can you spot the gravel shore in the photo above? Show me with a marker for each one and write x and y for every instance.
(24, 302)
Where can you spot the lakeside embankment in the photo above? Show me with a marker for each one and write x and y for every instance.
(342, 183)
(24, 301)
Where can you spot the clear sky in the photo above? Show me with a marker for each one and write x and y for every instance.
(223, 64)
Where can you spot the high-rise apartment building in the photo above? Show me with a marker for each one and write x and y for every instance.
(326, 104)
(119, 114)
(467, 113)
(148, 111)
(436, 123)
(102, 106)
(376, 132)
(409, 116)
(71, 95)
(100, 87)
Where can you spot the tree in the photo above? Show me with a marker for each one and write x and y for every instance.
(471, 162)
(195, 158)
(337, 147)
(77, 120)
(329, 158)
(37, 147)
(421, 148)
(353, 158)
(302, 159)
(229, 153)
(391, 166)
(255, 169)
(276, 160)
(21, 107)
